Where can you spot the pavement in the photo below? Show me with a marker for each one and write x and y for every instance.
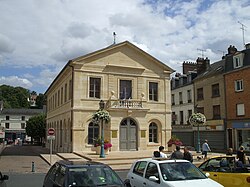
(37, 159)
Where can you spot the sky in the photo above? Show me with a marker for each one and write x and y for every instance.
(38, 37)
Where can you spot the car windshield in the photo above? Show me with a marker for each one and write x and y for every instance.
(180, 171)
(93, 176)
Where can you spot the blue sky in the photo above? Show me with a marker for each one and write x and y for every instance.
(37, 38)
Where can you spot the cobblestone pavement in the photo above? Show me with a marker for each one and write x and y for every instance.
(18, 159)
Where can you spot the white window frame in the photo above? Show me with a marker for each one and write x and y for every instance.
(237, 61)
(238, 85)
(240, 109)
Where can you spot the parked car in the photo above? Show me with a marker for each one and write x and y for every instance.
(165, 173)
(3, 178)
(81, 174)
(226, 171)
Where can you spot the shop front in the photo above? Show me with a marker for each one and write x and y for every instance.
(242, 134)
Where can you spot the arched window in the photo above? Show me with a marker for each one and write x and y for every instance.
(153, 133)
(93, 132)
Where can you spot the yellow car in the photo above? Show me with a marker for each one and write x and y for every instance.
(226, 171)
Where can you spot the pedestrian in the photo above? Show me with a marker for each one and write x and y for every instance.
(240, 155)
(229, 152)
(160, 154)
(177, 154)
(205, 149)
(187, 154)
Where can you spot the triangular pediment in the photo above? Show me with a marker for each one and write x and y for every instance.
(121, 58)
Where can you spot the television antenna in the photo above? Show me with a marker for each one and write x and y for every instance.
(114, 35)
(202, 52)
(243, 32)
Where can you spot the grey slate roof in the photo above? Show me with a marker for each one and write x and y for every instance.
(21, 111)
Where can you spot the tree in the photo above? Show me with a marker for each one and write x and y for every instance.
(40, 101)
(35, 127)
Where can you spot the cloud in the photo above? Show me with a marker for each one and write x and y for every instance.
(16, 81)
(46, 34)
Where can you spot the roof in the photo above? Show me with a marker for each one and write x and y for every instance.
(162, 160)
(214, 69)
(21, 111)
(77, 163)
(109, 48)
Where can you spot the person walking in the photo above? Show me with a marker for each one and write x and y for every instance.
(240, 155)
(177, 154)
(229, 152)
(187, 154)
(205, 149)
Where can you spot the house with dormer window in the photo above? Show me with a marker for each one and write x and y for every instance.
(135, 87)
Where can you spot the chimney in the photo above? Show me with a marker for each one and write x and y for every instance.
(201, 66)
(231, 50)
(188, 66)
(247, 46)
(207, 63)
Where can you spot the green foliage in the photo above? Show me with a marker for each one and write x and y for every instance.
(17, 97)
(40, 101)
(14, 97)
(101, 115)
(36, 127)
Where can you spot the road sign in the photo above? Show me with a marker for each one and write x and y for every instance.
(51, 137)
(51, 131)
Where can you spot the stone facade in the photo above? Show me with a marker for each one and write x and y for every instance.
(118, 67)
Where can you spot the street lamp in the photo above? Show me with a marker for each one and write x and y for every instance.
(197, 119)
(101, 107)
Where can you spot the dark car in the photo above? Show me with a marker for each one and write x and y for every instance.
(66, 173)
(2, 180)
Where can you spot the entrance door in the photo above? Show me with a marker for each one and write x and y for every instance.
(128, 135)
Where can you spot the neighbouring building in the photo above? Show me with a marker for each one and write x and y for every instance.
(13, 122)
(182, 101)
(237, 84)
(135, 87)
(209, 94)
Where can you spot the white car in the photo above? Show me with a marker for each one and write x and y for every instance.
(151, 172)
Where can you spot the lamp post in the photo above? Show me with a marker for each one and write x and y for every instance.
(197, 119)
(102, 154)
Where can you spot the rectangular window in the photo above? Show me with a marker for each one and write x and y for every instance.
(7, 117)
(240, 108)
(23, 118)
(200, 110)
(61, 95)
(153, 91)
(172, 99)
(95, 87)
(180, 98)
(215, 90)
(216, 112)
(65, 92)
(237, 62)
(174, 118)
(22, 125)
(58, 95)
(200, 94)
(181, 118)
(238, 85)
(70, 89)
(7, 125)
(125, 89)
(189, 96)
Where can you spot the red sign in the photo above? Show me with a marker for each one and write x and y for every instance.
(51, 131)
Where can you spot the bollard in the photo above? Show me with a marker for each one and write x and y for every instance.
(33, 167)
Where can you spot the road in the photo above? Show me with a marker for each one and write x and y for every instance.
(16, 162)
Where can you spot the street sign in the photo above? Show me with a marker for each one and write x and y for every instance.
(51, 137)
(51, 131)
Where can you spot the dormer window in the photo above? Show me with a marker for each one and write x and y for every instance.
(237, 61)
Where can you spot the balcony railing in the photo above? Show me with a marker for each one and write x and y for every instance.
(127, 103)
